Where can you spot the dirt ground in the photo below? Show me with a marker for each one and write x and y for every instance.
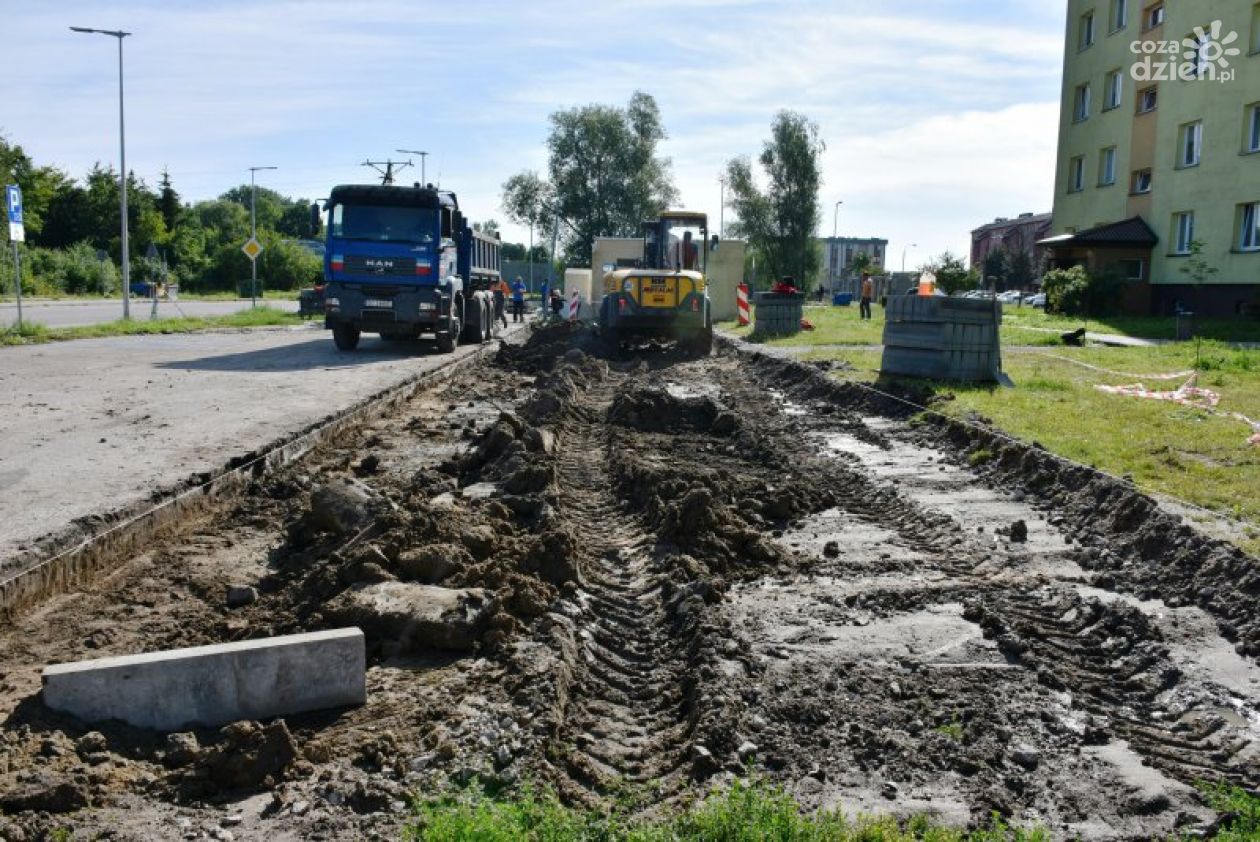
(656, 572)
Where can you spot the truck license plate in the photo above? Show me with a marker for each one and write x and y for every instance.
(383, 303)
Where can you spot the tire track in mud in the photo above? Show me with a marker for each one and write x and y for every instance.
(626, 707)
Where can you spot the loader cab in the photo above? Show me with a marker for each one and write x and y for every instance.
(676, 242)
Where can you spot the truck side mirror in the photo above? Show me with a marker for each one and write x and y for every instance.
(713, 243)
(317, 218)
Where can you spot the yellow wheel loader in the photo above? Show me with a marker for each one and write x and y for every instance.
(664, 294)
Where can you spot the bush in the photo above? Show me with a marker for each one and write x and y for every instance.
(1074, 292)
(52, 272)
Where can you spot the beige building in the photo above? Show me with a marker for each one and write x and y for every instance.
(1159, 148)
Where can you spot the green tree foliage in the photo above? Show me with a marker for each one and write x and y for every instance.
(605, 176)
(997, 269)
(952, 275)
(1020, 272)
(780, 221)
(1070, 291)
(67, 221)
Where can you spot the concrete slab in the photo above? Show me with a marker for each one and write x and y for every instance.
(215, 685)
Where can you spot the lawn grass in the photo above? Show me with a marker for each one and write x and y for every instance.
(1164, 447)
(1145, 327)
(34, 334)
(224, 295)
(1020, 326)
(750, 810)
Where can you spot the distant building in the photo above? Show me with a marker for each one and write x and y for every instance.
(1019, 235)
(1159, 148)
(838, 256)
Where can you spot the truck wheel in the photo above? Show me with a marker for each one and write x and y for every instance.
(345, 337)
(475, 331)
(448, 339)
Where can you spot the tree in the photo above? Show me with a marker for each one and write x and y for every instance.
(952, 275)
(604, 176)
(489, 227)
(997, 268)
(168, 201)
(779, 222)
(1020, 271)
(860, 263)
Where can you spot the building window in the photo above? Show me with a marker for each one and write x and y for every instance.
(1148, 100)
(1141, 181)
(1076, 174)
(1252, 140)
(1249, 229)
(1119, 14)
(1255, 29)
(1190, 147)
(1133, 270)
(1154, 16)
(1107, 167)
(1087, 30)
(1183, 232)
(1081, 108)
(1115, 89)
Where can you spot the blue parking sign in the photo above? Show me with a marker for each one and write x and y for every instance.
(13, 203)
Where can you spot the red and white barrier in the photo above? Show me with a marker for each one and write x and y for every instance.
(575, 306)
(745, 314)
(1189, 394)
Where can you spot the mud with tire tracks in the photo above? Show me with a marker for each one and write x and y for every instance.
(633, 577)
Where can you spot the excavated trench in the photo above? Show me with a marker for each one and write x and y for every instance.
(633, 577)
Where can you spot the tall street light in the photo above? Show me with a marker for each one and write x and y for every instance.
(122, 165)
(903, 255)
(423, 155)
(253, 234)
(722, 208)
(835, 244)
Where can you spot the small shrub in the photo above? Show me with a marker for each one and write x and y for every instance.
(979, 457)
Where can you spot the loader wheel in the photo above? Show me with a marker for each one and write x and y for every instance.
(345, 337)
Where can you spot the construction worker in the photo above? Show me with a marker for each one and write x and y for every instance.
(518, 299)
(868, 294)
(501, 292)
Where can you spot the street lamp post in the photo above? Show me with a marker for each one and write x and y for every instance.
(835, 244)
(122, 165)
(722, 208)
(423, 155)
(903, 255)
(253, 234)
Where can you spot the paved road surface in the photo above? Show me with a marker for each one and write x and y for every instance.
(77, 313)
(97, 424)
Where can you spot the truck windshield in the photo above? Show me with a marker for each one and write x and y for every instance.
(384, 224)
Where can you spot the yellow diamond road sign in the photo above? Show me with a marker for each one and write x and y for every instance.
(252, 248)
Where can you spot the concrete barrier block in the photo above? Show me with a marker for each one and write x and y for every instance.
(215, 685)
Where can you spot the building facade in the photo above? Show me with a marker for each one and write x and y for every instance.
(1160, 125)
(838, 258)
(1023, 234)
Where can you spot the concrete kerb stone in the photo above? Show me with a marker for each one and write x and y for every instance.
(214, 685)
(68, 559)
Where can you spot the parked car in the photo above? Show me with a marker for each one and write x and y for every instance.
(1011, 296)
(1037, 300)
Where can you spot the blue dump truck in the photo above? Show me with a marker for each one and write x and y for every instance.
(401, 262)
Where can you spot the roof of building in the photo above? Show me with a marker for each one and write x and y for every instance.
(1129, 232)
(1022, 219)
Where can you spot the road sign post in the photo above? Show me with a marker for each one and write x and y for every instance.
(17, 234)
(252, 249)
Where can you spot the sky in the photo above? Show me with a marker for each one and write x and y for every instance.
(937, 115)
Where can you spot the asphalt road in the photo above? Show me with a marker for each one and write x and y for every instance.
(97, 424)
(78, 313)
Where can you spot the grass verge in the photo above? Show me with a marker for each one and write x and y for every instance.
(1164, 447)
(34, 334)
(749, 810)
(1020, 326)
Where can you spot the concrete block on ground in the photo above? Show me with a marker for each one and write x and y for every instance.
(415, 618)
(215, 685)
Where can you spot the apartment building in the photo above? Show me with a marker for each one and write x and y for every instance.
(838, 256)
(1159, 148)
(1022, 234)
